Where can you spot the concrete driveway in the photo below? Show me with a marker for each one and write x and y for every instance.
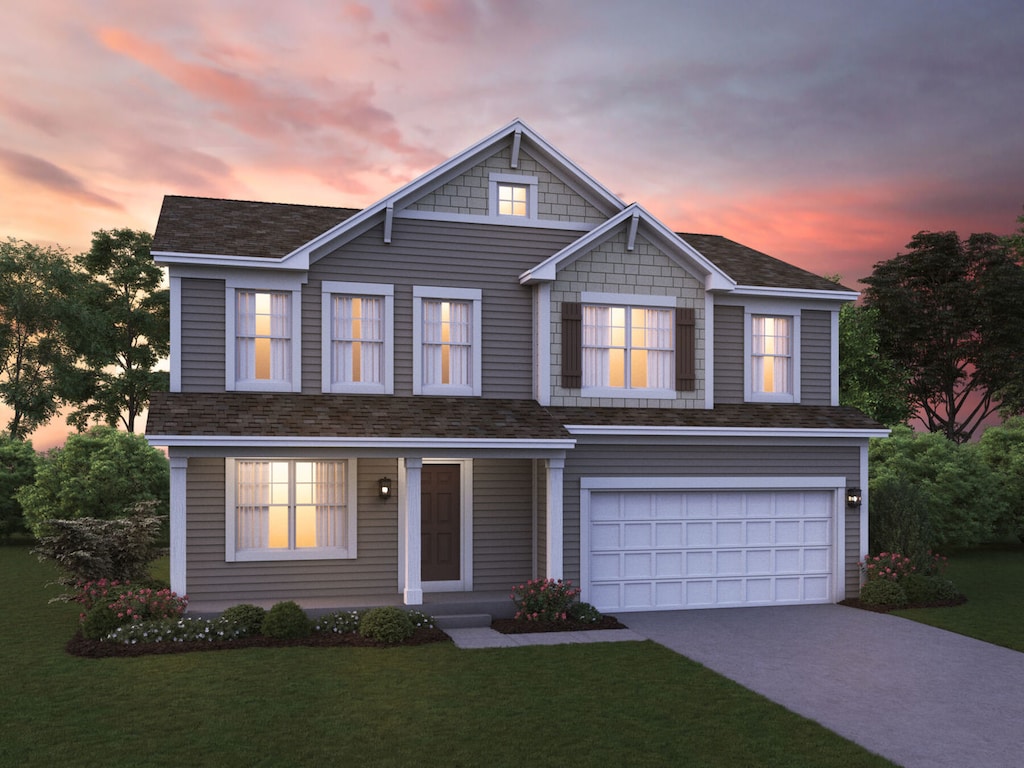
(917, 695)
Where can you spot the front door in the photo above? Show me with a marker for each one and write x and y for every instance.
(439, 528)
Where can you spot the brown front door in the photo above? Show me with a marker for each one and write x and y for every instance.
(441, 550)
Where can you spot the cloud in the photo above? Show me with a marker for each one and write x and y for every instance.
(53, 177)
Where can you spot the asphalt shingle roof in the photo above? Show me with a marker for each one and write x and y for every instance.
(208, 226)
(746, 415)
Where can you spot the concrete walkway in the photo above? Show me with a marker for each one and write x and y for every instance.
(919, 696)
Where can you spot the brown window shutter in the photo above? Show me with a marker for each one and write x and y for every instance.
(572, 345)
(686, 350)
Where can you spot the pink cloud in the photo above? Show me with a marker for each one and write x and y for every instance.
(52, 177)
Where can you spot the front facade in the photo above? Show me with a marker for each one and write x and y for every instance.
(500, 372)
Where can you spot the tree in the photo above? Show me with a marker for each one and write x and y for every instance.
(124, 330)
(868, 380)
(948, 311)
(101, 474)
(37, 290)
(17, 469)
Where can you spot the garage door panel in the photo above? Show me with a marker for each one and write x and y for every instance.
(655, 550)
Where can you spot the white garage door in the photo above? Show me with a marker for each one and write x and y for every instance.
(672, 549)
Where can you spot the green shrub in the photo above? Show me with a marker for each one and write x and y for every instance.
(337, 623)
(1002, 449)
(285, 621)
(899, 520)
(100, 620)
(17, 469)
(883, 592)
(386, 625)
(544, 599)
(246, 618)
(420, 620)
(584, 613)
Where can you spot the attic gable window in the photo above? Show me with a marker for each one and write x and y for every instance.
(513, 196)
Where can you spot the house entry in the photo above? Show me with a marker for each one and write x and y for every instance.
(441, 516)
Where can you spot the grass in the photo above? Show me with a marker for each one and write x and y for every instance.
(993, 580)
(623, 704)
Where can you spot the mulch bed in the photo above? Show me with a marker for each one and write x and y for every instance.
(95, 649)
(855, 603)
(520, 626)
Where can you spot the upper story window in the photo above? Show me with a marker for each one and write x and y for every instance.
(446, 341)
(358, 337)
(262, 334)
(282, 509)
(773, 365)
(621, 345)
(626, 347)
(513, 195)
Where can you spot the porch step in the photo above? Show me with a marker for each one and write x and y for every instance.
(463, 620)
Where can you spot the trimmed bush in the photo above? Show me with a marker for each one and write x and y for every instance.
(247, 619)
(101, 620)
(883, 592)
(337, 623)
(386, 625)
(286, 621)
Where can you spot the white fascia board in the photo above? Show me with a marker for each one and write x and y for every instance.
(426, 445)
(795, 293)
(174, 258)
(504, 221)
(774, 432)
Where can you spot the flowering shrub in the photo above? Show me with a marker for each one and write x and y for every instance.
(895, 567)
(544, 599)
(183, 630)
(88, 593)
(420, 620)
(148, 604)
(337, 623)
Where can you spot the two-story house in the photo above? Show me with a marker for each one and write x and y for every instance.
(498, 372)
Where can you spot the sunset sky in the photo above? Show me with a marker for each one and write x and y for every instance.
(825, 133)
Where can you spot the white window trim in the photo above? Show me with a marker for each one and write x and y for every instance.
(773, 310)
(287, 285)
(631, 301)
(331, 288)
(232, 555)
(530, 182)
(475, 297)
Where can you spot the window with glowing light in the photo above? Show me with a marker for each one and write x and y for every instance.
(446, 335)
(771, 355)
(290, 509)
(628, 348)
(513, 199)
(357, 339)
(263, 328)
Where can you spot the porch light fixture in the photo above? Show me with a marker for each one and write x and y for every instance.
(853, 497)
(384, 487)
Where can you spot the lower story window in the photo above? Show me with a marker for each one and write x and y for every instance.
(291, 509)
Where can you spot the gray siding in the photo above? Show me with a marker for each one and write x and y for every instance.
(202, 335)
(728, 354)
(211, 579)
(502, 523)
(607, 457)
(815, 357)
(430, 253)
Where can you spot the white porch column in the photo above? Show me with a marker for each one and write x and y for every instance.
(555, 470)
(179, 473)
(413, 592)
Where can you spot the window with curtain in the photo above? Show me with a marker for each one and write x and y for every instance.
(291, 506)
(263, 336)
(628, 348)
(447, 343)
(772, 354)
(357, 340)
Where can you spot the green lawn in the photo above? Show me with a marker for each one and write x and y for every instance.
(993, 580)
(621, 704)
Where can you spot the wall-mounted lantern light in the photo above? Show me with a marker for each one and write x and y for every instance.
(384, 487)
(853, 497)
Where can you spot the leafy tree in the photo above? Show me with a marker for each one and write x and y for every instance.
(101, 474)
(124, 329)
(960, 491)
(37, 306)
(868, 380)
(1002, 448)
(947, 311)
(17, 469)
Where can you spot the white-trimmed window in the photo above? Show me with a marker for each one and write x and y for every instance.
(513, 195)
(627, 347)
(772, 372)
(290, 509)
(262, 332)
(358, 334)
(446, 341)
